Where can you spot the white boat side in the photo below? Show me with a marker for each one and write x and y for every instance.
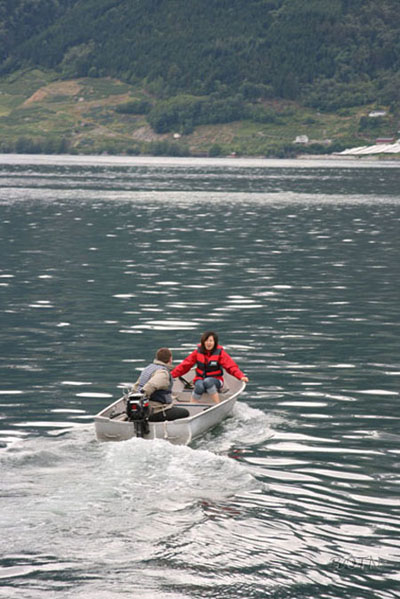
(111, 423)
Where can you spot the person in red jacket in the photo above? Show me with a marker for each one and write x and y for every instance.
(210, 360)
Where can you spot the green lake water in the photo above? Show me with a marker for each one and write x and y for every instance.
(296, 266)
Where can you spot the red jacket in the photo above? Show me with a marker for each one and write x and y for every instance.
(201, 359)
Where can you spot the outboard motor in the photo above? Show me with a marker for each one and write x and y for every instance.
(138, 412)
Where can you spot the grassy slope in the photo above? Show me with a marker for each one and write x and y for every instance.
(37, 105)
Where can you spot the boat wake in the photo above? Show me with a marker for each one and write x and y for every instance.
(247, 427)
(84, 485)
(91, 502)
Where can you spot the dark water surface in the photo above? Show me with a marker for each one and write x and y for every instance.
(296, 265)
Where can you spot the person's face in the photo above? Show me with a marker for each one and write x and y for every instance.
(209, 343)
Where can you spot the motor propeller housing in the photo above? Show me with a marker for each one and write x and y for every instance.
(138, 412)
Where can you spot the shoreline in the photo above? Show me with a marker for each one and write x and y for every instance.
(308, 160)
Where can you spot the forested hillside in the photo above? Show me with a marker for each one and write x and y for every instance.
(202, 62)
(327, 53)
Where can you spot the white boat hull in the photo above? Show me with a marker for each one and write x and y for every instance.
(111, 423)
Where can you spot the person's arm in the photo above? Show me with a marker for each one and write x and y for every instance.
(231, 367)
(185, 365)
(159, 380)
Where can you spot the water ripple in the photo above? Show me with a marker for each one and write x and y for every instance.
(296, 266)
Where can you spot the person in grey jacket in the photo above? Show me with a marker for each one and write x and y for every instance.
(155, 382)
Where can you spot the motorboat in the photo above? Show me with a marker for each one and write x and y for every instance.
(115, 422)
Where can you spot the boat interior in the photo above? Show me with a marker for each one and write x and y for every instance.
(182, 397)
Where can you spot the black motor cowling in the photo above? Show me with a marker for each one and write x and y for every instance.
(138, 412)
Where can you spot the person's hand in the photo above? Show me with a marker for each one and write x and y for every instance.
(244, 379)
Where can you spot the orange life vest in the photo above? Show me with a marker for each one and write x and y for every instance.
(209, 364)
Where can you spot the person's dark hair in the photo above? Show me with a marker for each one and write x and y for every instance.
(163, 354)
(206, 335)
